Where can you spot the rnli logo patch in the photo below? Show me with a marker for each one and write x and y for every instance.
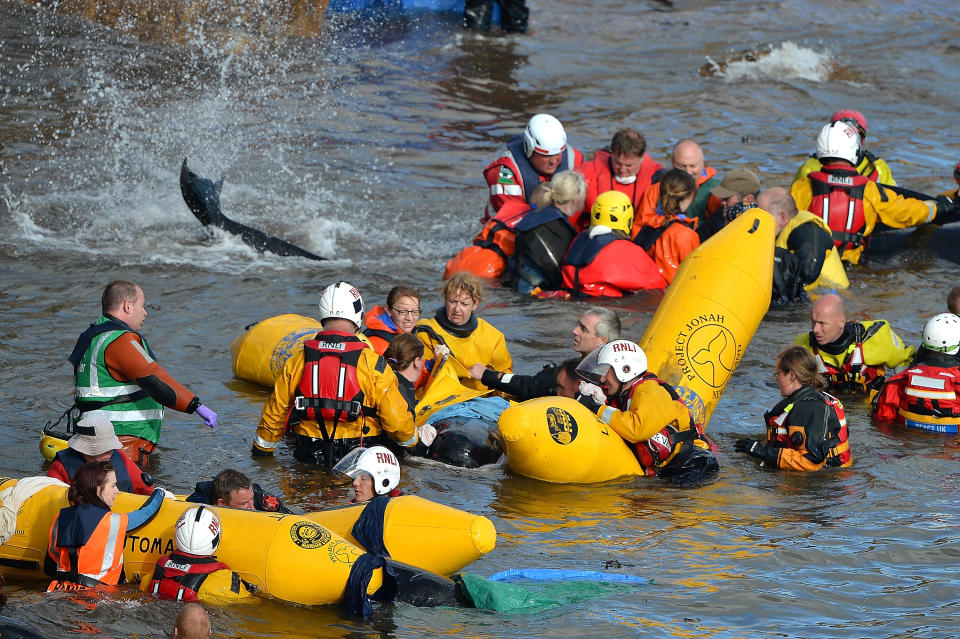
(694, 402)
(707, 350)
(308, 535)
(287, 346)
(562, 425)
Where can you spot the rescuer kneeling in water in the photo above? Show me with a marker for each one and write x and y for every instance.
(645, 411)
(86, 538)
(342, 391)
(924, 396)
(192, 572)
(807, 430)
(852, 356)
(374, 471)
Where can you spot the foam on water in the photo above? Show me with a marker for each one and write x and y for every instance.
(788, 61)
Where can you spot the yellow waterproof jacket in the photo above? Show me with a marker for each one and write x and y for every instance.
(485, 345)
(881, 349)
(651, 408)
(218, 587)
(380, 391)
(867, 165)
(892, 209)
(832, 274)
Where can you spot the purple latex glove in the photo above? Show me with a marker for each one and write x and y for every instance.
(209, 417)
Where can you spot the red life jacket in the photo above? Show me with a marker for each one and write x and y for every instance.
(929, 400)
(853, 374)
(838, 199)
(180, 575)
(329, 390)
(662, 447)
(492, 247)
(779, 432)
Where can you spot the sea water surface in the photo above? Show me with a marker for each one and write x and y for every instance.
(363, 140)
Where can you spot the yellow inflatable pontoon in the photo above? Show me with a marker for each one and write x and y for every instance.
(259, 353)
(695, 341)
(304, 559)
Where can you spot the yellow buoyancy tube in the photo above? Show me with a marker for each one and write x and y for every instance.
(260, 353)
(444, 388)
(559, 440)
(695, 341)
(304, 559)
(711, 310)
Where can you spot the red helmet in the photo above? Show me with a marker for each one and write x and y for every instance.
(854, 118)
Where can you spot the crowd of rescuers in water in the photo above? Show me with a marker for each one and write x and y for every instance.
(557, 224)
(348, 394)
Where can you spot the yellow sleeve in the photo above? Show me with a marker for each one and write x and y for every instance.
(897, 211)
(651, 408)
(884, 176)
(223, 586)
(885, 347)
(802, 193)
(380, 390)
(273, 419)
(809, 165)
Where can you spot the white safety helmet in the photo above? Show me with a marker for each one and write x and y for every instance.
(544, 135)
(942, 333)
(343, 301)
(626, 358)
(198, 531)
(839, 140)
(376, 461)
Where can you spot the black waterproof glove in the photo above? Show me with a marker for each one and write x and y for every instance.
(948, 211)
(589, 402)
(751, 447)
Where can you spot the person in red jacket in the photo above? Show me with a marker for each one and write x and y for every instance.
(626, 167)
(529, 159)
(94, 440)
(602, 261)
(674, 238)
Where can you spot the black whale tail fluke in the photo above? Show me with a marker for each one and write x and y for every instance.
(202, 197)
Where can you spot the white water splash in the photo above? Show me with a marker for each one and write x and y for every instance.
(789, 61)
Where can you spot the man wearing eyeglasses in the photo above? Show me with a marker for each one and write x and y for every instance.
(869, 165)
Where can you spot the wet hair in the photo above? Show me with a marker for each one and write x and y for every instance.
(226, 482)
(675, 185)
(465, 283)
(801, 362)
(565, 186)
(608, 322)
(401, 291)
(87, 481)
(953, 300)
(116, 293)
(569, 366)
(401, 352)
(628, 142)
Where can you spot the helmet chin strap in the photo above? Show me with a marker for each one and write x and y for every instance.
(630, 179)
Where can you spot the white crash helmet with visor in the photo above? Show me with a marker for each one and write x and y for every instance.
(625, 357)
(377, 461)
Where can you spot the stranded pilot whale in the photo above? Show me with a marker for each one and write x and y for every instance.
(202, 197)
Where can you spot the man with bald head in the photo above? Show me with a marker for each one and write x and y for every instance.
(192, 623)
(805, 257)
(688, 156)
(853, 356)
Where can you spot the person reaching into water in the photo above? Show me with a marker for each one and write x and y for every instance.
(117, 375)
(545, 233)
(87, 538)
(595, 328)
(602, 261)
(668, 235)
(853, 357)
(456, 330)
(867, 164)
(646, 412)
(924, 396)
(807, 430)
(341, 391)
(805, 257)
(399, 315)
(232, 489)
(851, 204)
(373, 472)
(95, 440)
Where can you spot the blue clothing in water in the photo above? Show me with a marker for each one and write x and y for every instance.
(488, 408)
